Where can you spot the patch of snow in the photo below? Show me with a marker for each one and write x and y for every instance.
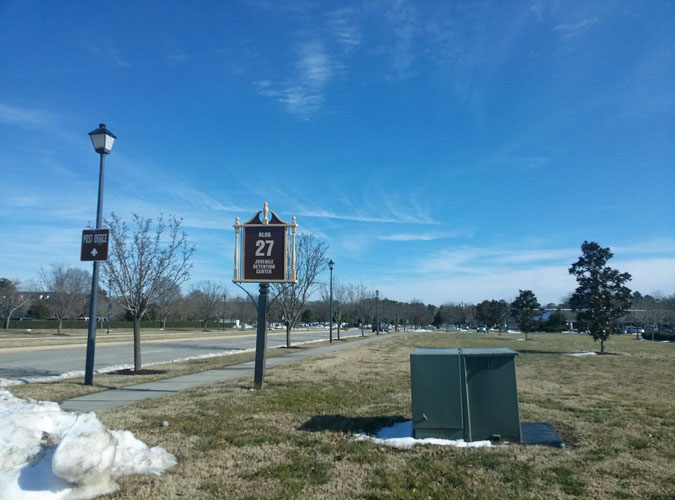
(580, 354)
(46, 453)
(401, 436)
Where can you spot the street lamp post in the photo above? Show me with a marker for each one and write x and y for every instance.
(107, 332)
(330, 266)
(224, 297)
(377, 312)
(103, 140)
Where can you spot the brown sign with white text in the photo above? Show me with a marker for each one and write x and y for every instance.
(264, 253)
(94, 244)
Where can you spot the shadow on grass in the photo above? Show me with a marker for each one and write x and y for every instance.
(143, 371)
(534, 351)
(342, 423)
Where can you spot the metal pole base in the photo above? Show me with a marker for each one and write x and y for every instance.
(261, 338)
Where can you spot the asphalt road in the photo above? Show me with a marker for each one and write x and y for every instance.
(42, 362)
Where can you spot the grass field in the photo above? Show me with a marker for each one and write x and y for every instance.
(295, 438)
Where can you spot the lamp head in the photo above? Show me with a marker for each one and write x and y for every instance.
(102, 139)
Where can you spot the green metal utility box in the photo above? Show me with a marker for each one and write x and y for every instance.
(468, 394)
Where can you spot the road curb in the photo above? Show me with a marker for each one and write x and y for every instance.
(115, 398)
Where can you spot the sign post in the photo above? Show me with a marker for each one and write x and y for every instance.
(265, 255)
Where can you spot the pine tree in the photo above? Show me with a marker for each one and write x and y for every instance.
(524, 309)
(601, 298)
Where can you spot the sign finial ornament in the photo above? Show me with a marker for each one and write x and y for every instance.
(264, 254)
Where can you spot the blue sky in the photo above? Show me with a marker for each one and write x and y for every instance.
(446, 151)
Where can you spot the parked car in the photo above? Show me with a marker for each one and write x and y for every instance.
(481, 329)
(383, 327)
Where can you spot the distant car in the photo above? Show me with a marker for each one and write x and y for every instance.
(481, 329)
(383, 327)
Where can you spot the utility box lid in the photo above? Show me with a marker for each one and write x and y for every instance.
(421, 351)
(494, 351)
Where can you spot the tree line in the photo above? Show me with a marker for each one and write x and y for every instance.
(147, 265)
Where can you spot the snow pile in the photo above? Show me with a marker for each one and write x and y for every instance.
(401, 436)
(580, 354)
(46, 453)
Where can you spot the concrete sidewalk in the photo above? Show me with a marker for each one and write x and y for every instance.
(126, 395)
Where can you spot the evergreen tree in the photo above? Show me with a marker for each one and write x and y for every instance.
(601, 298)
(308, 316)
(524, 309)
(556, 322)
(438, 319)
(491, 312)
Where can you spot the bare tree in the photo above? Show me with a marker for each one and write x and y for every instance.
(167, 299)
(138, 263)
(363, 304)
(207, 298)
(343, 297)
(310, 260)
(68, 289)
(243, 309)
(11, 298)
(419, 313)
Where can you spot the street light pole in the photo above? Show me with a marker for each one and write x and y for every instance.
(377, 312)
(109, 309)
(224, 297)
(103, 140)
(330, 266)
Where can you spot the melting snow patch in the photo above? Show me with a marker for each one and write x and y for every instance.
(47, 453)
(580, 354)
(401, 436)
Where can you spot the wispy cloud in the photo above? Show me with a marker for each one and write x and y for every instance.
(403, 19)
(108, 52)
(359, 217)
(178, 57)
(411, 237)
(418, 236)
(303, 94)
(486, 260)
(478, 273)
(573, 30)
(342, 23)
(23, 117)
(549, 283)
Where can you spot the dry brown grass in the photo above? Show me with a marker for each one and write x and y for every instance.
(295, 438)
